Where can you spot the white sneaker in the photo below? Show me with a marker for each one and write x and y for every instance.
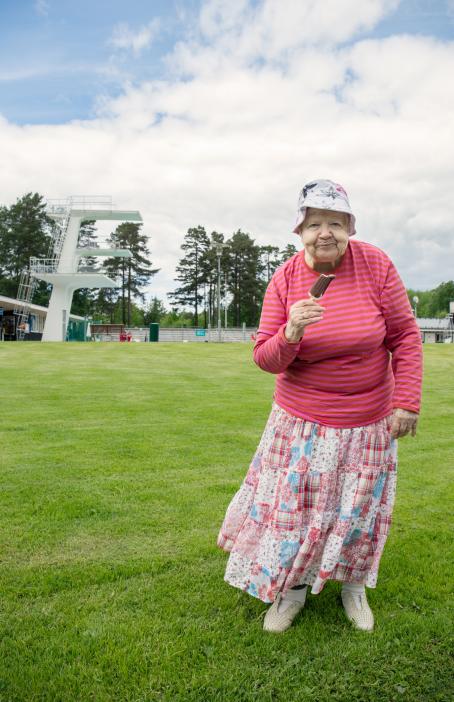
(278, 620)
(357, 610)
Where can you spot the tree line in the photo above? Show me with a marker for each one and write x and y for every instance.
(432, 303)
(241, 267)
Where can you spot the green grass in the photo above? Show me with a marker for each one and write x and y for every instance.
(118, 462)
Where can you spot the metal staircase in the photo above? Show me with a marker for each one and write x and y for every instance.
(27, 286)
(27, 282)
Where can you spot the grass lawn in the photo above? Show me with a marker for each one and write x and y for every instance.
(117, 464)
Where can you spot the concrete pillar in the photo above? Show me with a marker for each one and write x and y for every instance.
(58, 313)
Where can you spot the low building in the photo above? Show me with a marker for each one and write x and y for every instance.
(34, 326)
(435, 330)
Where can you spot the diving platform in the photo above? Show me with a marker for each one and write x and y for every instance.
(61, 269)
(86, 214)
(111, 253)
(80, 280)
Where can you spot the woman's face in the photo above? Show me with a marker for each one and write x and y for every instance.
(324, 234)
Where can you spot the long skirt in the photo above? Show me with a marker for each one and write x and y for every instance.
(315, 505)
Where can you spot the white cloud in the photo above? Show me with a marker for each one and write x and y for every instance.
(123, 37)
(275, 27)
(239, 32)
(231, 146)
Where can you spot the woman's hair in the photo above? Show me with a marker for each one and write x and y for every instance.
(345, 216)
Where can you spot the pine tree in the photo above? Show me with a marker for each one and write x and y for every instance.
(209, 272)
(245, 283)
(84, 298)
(134, 272)
(25, 231)
(155, 311)
(270, 260)
(104, 304)
(190, 274)
(289, 251)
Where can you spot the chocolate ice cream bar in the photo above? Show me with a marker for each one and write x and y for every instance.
(321, 285)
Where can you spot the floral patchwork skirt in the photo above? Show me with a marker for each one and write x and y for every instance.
(315, 505)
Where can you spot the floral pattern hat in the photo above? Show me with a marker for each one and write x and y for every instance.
(324, 195)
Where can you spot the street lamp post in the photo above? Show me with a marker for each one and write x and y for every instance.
(208, 303)
(225, 300)
(415, 302)
(218, 248)
(219, 254)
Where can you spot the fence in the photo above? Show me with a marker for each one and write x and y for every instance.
(186, 334)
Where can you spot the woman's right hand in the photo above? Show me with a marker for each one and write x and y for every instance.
(302, 313)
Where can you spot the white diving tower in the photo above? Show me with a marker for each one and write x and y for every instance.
(62, 269)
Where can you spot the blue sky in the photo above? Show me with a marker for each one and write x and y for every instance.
(57, 57)
(216, 112)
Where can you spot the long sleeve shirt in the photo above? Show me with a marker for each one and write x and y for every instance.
(364, 357)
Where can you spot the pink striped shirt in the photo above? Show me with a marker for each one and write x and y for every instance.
(341, 373)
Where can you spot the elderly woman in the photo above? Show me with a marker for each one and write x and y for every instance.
(317, 501)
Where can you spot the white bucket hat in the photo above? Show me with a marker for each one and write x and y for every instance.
(324, 195)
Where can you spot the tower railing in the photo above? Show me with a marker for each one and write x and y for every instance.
(43, 265)
(57, 208)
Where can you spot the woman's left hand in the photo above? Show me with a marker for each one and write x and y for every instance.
(403, 422)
